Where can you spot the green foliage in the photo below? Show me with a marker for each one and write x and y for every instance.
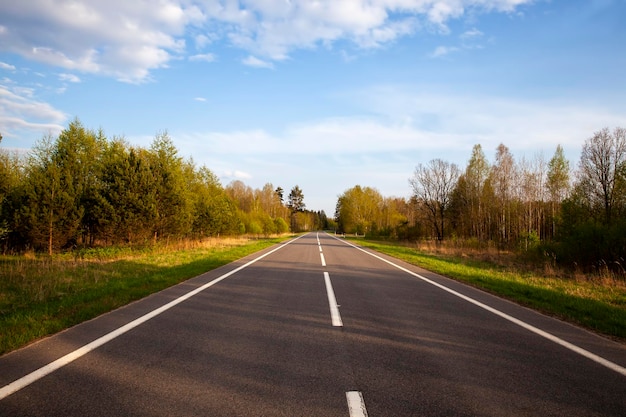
(82, 190)
(281, 225)
(359, 210)
(364, 211)
(126, 209)
(51, 212)
(296, 200)
(172, 211)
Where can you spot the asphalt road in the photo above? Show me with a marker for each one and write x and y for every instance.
(318, 327)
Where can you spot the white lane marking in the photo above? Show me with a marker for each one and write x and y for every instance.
(323, 259)
(72, 356)
(321, 248)
(356, 404)
(583, 352)
(332, 302)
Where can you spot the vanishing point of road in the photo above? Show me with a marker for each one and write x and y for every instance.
(317, 326)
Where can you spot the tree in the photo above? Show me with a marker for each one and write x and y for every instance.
(242, 194)
(602, 170)
(503, 174)
(531, 198)
(49, 215)
(295, 203)
(296, 200)
(270, 201)
(558, 183)
(359, 210)
(173, 208)
(128, 207)
(432, 185)
(214, 212)
(280, 193)
(470, 201)
(10, 179)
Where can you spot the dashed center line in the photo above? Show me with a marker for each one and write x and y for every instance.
(332, 302)
(356, 404)
(323, 259)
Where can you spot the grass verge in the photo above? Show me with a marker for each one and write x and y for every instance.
(40, 296)
(593, 303)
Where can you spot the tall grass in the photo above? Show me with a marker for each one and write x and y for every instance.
(41, 295)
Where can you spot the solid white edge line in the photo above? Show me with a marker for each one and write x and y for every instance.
(72, 356)
(332, 302)
(323, 259)
(583, 352)
(356, 404)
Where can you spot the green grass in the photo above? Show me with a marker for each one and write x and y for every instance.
(40, 296)
(594, 303)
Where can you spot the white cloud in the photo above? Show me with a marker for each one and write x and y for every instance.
(471, 34)
(201, 99)
(128, 39)
(20, 112)
(8, 67)
(408, 121)
(114, 38)
(203, 57)
(443, 51)
(69, 78)
(255, 62)
(234, 175)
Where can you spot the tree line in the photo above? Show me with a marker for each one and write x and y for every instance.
(82, 189)
(577, 216)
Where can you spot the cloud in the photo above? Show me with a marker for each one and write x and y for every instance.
(115, 38)
(8, 67)
(127, 40)
(203, 57)
(255, 62)
(406, 121)
(234, 175)
(202, 99)
(441, 51)
(470, 39)
(471, 34)
(21, 113)
(69, 78)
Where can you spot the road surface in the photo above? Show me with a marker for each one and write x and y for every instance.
(318, 327)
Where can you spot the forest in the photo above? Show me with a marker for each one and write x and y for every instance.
(82, 189)
(574, 217)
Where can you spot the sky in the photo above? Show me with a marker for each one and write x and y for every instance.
(324, 94)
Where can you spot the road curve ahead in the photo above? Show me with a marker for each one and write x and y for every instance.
(318, 327)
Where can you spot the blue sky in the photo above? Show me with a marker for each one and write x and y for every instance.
(321, 94)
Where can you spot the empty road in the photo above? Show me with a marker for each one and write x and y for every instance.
(318, 327)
